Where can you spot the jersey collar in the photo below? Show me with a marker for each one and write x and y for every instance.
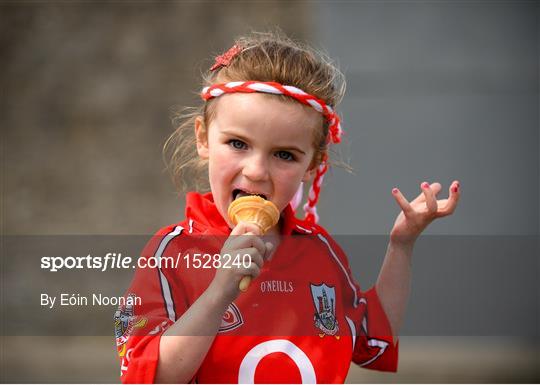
(206, 218)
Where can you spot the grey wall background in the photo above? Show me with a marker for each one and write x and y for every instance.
(437, 91)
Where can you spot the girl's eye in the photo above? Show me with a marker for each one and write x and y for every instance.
(237, 144)
(285, 155)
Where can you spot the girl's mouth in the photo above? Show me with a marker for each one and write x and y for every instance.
(237, 193)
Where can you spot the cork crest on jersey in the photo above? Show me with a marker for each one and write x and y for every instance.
(324, 301)
(125, 321)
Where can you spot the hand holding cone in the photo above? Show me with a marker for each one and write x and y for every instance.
(257, 210)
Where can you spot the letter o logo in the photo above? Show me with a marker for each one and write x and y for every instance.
(246, 374)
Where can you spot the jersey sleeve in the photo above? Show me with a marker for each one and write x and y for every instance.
(374, 347)
(140, 324)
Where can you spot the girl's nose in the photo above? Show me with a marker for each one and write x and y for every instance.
(255, 168)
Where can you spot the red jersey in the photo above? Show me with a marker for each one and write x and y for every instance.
(303, 320)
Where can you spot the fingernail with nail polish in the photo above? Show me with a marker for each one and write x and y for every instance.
(394, 191)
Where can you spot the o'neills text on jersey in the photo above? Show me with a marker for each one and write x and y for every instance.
(277, 286)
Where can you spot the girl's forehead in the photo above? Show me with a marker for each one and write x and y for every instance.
(258, 108)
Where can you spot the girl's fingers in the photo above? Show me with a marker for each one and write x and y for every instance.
(438, 208)
(253, 270)
(452, 201)
(253, 254)
(421, 198)
(246, 234)
(436, 188)
(246, 240)
(402, 202)
(256, 242)
(431, 202)
(246, 227)
(269, 249)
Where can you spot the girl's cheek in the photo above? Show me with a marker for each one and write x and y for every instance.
(222, 153)
(289, 169)
(285, 175)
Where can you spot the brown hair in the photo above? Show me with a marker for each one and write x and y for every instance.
(269, 56)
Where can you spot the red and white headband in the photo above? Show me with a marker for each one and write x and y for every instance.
(334, 126)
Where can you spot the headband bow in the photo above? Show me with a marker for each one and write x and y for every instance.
(225, 59)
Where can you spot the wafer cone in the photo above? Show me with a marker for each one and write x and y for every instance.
(254, 209)
(257, 210)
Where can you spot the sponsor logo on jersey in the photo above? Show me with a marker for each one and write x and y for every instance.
(324, 300)
(276, 286)
(232, 319)
(124, 323)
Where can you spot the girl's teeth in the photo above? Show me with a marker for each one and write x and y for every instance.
(239, 193)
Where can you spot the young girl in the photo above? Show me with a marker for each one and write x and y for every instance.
(265, 127)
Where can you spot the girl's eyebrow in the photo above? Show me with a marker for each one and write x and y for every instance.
(232, 133)
(240, 136)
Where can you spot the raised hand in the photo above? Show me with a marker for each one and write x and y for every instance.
(418, 214)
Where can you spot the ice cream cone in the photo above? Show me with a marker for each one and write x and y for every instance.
(254, 209)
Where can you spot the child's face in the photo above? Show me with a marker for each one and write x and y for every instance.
(258, 144)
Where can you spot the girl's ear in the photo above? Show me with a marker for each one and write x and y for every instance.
(201, 135)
